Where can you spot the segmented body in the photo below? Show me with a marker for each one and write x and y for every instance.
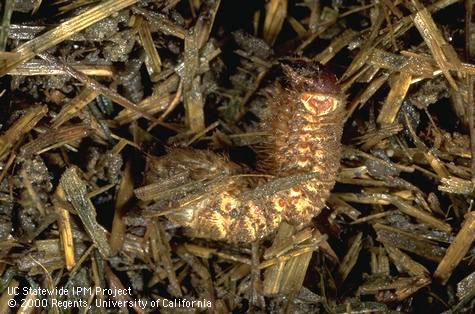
(304, 126)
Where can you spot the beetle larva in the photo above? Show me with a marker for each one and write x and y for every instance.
(304, 123)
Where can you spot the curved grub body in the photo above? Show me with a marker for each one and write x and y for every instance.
(304, 125)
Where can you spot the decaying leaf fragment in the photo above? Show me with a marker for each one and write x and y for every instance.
(466, 286)
(76, 193)
(413, 243)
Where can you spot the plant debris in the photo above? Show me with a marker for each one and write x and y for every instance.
(99, 96)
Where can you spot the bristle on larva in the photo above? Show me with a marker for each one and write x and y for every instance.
(304, 121)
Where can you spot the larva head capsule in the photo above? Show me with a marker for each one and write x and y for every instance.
(314, 86)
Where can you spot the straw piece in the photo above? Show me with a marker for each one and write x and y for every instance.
(95, 85)
(351, 257)
(287, 269)
(8, 6)
(124, 194)
(152, 105)
(457, 250)
(74, 106)
(53, 139)
(65, 30)
(192, 95)
(152, 60)
(405, 262)
(335, 46)
(424, 217)
(40, 67)
(162, 23)
(21, 127)
(394, 100)
(65, 230)
(276, 11)
(443, 53)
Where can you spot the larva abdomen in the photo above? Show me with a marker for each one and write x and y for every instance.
(304, 126)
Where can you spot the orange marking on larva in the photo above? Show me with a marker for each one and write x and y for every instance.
(306, 98)
(281, 202)
(317, 103)
(306, 121)
(278, 206)
(310, 187)
(295, 192)
(304, 147)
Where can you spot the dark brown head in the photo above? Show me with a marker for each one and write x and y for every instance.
(315, 86)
